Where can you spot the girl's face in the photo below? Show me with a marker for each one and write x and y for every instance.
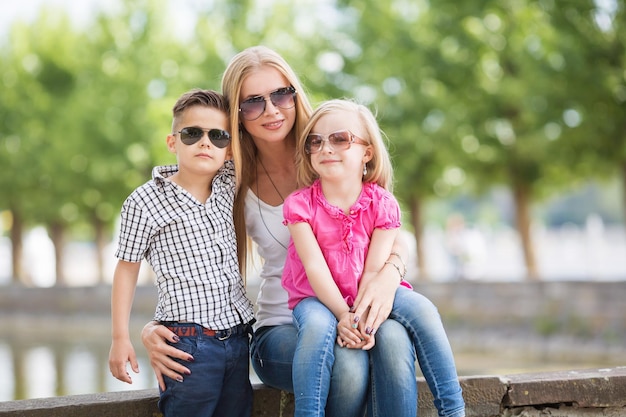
(340, 164)
(275, 121)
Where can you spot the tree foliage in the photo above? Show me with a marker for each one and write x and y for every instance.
(472, 95)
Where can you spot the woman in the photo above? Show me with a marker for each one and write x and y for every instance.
(269, 111)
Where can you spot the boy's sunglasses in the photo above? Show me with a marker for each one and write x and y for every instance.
(253, 107)
(218, 137)
(338, 141)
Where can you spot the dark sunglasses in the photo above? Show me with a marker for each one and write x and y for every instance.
(253, 107)
(338, 141)
(218, 137)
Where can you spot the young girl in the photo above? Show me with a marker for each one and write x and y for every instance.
(342, 226)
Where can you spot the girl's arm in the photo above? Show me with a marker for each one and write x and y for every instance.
(377, 290)
(316, 269)
(122, 294)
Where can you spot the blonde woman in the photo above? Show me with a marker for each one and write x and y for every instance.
(269, 109)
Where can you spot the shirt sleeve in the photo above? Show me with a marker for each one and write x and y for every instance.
(134, 233)
(388, 211)
(297, 208)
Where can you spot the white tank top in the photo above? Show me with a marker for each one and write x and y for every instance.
(264, 224)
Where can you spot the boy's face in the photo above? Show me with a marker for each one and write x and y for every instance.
(202, 157)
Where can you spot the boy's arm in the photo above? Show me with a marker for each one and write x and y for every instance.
(122, 294)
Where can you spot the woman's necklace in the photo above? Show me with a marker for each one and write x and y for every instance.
(271, 181)
(258, 201)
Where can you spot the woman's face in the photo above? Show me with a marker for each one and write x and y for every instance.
(275, 122)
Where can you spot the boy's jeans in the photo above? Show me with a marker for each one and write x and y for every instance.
(219, 384)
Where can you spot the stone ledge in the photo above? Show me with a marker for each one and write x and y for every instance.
(595, 388)
(573, 393)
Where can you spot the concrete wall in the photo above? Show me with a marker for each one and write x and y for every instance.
(588, 393)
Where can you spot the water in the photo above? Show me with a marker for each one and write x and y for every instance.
(52, 363)
(48, 361)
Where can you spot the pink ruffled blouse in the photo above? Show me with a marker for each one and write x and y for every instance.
(343, 238)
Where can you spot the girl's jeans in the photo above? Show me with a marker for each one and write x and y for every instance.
(393, 389)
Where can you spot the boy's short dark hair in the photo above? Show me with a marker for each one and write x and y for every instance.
(199, 97)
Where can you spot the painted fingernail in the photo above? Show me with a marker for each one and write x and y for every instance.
(354, 325)
(356, 319)
(373, 331)
(179, 379)
(176, 339)
(368, 330)
(190, 359)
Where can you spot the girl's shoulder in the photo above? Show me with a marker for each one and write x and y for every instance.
(376, 192)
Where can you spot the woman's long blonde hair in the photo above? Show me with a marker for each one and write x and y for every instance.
(244, 155)
(379, 168)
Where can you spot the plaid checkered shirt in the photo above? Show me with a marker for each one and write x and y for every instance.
(191, 247)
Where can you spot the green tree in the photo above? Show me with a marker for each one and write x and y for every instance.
(473, 95)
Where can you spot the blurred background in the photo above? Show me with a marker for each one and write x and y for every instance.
(505, 120)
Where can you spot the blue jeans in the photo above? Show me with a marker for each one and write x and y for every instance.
(420, 318)
(272, 352)
(219, 384)
(393, 389)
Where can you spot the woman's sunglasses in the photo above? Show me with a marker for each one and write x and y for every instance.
(338, 141)
(253, 107)
(218, 137)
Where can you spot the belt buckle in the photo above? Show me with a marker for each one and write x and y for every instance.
(225, 334)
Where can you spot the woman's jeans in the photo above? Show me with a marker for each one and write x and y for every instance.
(342, 375)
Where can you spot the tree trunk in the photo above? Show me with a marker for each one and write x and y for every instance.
(17, 248)
(418, 227)
(100, 245)
(57, 232)
(522, 220)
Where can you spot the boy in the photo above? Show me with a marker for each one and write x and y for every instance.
(181, 222)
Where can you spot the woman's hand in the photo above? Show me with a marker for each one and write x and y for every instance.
(154, 337)
(374, 300)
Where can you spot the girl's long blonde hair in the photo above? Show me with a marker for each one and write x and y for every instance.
(244, 155)
(379, 168)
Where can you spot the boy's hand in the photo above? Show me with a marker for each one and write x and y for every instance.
(122, 351)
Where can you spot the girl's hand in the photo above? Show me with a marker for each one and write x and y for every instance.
(154, 337)
(348, 333)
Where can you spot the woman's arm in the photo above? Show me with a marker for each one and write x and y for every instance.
(380, 246)
(154, 337)
(377, 291)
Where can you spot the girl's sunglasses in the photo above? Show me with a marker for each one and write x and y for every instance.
(218, 137)
(338, 141)
(253, 107)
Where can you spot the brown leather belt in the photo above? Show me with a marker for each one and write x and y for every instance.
(192, 330)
